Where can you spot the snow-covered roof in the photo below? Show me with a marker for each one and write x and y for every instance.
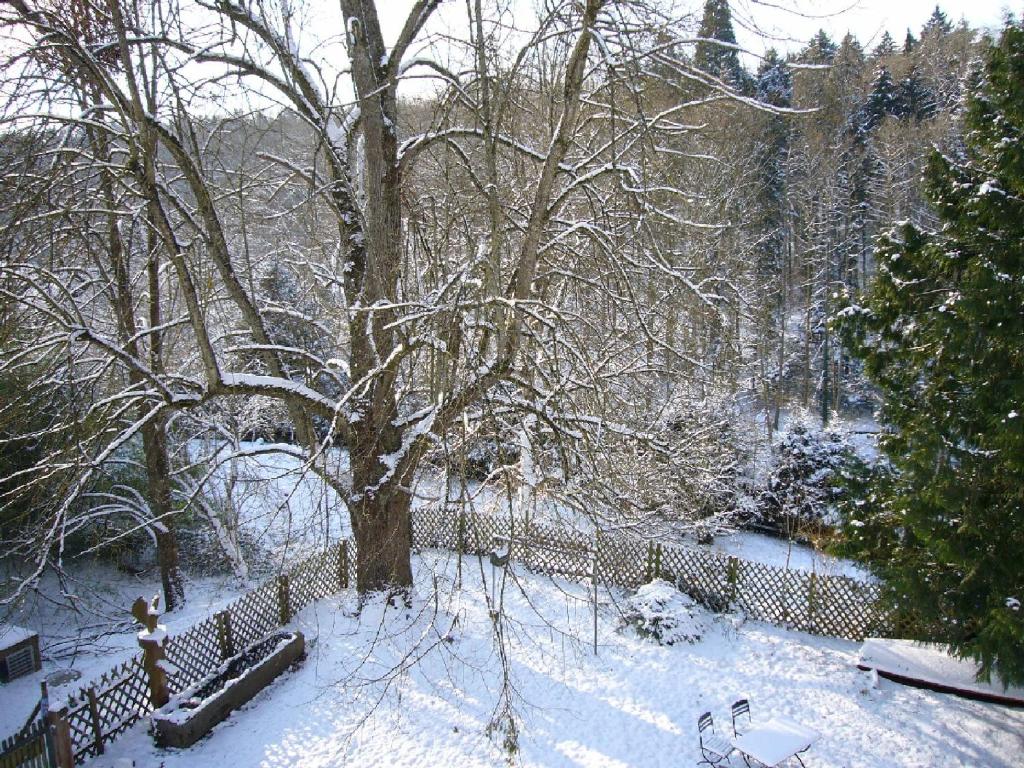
(12, 634)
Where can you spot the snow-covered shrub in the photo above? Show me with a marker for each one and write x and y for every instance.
(805, 479)
(675, 464)
(660, 612)
(486, 455)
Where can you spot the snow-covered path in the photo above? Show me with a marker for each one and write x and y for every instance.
(634, 704)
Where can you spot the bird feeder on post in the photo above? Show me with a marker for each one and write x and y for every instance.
(152, 639)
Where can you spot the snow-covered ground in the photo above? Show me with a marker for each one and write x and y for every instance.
(634, 703)
(760, 548)
(411, 687)
(287, 511)
(84, 623)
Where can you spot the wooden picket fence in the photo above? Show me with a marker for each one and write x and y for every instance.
(29, 748)
(824, 604)
(100, 712)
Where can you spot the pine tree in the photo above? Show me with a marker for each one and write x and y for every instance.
(820, 50)
(775, 87)
(914, 99)
(909, 43)
(721, 61)
(774, 81)
(941, 335)
(937, 24)
(881, 101)
(886, 46)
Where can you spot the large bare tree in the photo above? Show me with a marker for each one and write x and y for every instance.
(499, 249)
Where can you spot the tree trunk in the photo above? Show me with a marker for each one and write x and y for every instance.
(383, 543)
(158, 470)
(380, 513)
(379, 503)
(154, 432)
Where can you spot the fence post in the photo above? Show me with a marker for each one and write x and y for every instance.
(657, 561)
(460, 541)
(812, 589)
(97, 725)
(594, 578)
(44, 714)
(343, 564)
(284, 606)
(649, 565)
(151, 640)
(225, 638)
(732, 574)
(60, 733)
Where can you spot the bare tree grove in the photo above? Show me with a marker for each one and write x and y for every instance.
(570, 237)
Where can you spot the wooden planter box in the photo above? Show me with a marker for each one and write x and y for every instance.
(190, 715)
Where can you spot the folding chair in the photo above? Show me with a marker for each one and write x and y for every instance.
(713, 748)
(740, 708)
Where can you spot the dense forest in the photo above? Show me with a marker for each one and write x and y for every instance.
(594, 266)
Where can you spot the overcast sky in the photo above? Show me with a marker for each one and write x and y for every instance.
(867, 19)
(783, 24)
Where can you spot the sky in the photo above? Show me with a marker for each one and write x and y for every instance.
(788, 24)
(785, 25)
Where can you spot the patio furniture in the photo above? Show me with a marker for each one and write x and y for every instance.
(775, 742)
(740, 708)
(713, 748)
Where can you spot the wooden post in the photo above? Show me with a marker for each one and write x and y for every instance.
(225, 637)
(657, 561)
(97, 725)
(60, 732)
(151, 640)
(461, 541)
(343, 564)
(44, 712)
(593, 578)
(284, 605)
(812, 589)
(733, 576)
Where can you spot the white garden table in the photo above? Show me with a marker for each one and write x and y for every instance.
(776, 741)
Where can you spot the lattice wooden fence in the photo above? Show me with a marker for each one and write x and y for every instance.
(837, 606)
(100, 712)
(822, 604)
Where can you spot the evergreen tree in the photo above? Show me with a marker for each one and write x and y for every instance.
(774, 81)
(937, 24)
(821, 50)
(844, 92)
(882, 100)
(914, 99)
(941, 335)
(721, 61)
(886, 46)
(909, 43)
(775, 87)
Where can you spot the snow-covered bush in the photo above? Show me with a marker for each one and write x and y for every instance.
(660, 612)
(675, 463)
(805, 479)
